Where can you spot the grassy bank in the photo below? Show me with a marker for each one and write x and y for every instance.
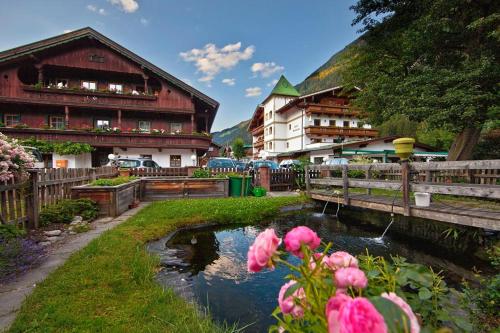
(109, 285)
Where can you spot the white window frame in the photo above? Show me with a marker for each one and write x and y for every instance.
(141, 125)
(175, 127)
(102, 126)
(116, 87)
(57, 120)
(88, 85)
(14, 123)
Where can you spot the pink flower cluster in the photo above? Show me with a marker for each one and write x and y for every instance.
(13, 158)
(343, 313)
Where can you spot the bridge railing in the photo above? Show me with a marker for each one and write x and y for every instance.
(462, 178)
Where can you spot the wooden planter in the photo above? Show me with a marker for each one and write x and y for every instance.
(167, 188)
(112, 200)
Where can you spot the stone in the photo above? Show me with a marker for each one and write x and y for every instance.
(51, 233)
(72, 233)
(77, 219)
(44, 243)
(53, 239)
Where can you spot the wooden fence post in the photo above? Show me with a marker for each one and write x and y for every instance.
(367, 177)
(405, 179)
(33, 200)
(92, 175)
(345, 184)
(307, 179)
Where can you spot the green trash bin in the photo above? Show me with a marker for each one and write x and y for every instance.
(236, 186)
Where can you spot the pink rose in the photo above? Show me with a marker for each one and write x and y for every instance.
(355, 316)
(292, 304)
(414, 325)
(262, 250)
(301, 235)
(350, 276)
(341, 259)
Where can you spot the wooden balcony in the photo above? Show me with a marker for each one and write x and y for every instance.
(89, 98)
(258, 130)
(123, 139)
(337, 110)
(259, 143)
(340, 131)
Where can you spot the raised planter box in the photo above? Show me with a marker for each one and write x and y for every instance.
(167, 188)
(112, 200)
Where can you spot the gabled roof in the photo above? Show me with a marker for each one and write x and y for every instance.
(29, 49)
(285, 88)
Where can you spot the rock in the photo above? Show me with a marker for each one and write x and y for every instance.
(77, 219)
(51, 233)
(44, 243)
(72, 233)
(53, 239)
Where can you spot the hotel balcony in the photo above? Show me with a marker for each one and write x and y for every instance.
(258, 130)
(338, 110)
(340, 131)
(107, 139)
(259, 143)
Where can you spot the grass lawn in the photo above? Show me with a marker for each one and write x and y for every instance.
(109, 285)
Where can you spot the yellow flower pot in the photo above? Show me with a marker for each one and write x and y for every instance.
(403, 147)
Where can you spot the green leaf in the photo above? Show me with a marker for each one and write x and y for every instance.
(289, 292)
(424, 294)
(395, 319)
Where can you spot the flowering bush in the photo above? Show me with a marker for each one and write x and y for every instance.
(340, 293)
(14, 160)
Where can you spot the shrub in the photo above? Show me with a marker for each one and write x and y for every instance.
(65, 210)
(113, 181)
(201, 173)
(14, 160)
(17, 255)
(10, 231)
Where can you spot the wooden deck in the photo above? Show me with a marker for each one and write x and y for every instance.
(451, 213)
(476, 179)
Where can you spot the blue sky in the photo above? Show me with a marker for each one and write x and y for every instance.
(231, 50)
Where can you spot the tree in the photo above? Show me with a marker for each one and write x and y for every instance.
(398, 125)
(238, 148)
(431, 60)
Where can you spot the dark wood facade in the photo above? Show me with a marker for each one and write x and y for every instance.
(75, 86)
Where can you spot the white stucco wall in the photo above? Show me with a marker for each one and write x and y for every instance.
(74, 161)
(162, 158)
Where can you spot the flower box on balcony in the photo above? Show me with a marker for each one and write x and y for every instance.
(86, 92)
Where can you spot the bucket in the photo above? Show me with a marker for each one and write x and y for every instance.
(422, 199)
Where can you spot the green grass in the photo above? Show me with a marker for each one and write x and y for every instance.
(109, 285)
(113, 181)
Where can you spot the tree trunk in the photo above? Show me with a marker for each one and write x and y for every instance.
(464, 144)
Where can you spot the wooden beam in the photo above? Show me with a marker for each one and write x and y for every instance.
(405, 186)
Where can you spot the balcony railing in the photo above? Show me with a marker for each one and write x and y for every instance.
(86, 92)
(113, 139)
(258, 130)
(338, 110)
(341, 131)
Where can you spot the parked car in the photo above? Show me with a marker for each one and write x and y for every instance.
(240, 166)
(128, 163)
(220, 162)
(39, 164)
(287, 164)
(256, 164)
(336, 161)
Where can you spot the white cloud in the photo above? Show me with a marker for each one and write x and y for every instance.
(144, 21)
(94, 9)
(210, 60)
(128, 6)
(266, 69)
(229, 82)
(67, 30)
(272, 83)
(253, 92)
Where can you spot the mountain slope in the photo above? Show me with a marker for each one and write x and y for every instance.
(327, 75)
(228, 135)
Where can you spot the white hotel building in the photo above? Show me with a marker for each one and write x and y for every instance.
(286, 124)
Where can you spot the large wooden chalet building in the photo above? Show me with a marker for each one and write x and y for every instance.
(287, 125)
(83, 87)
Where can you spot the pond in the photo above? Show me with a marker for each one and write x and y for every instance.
(208, 264)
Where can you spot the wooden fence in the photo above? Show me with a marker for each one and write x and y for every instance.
(21, 201)
(159, 172)
(462, 178)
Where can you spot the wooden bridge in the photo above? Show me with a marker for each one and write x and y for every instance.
(388, 187)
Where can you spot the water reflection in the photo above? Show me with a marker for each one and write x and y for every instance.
(213, 271)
